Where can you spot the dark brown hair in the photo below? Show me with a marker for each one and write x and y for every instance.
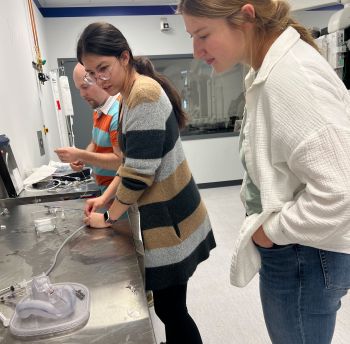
(104, 39)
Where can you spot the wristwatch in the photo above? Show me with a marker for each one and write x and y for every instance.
(108, 219)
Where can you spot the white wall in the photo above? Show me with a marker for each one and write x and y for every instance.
(142, 32)
(21, 97)
(47, 103)
(306, 4)
(318, 19)
(214, 160)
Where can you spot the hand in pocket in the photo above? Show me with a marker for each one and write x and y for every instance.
(261, 239)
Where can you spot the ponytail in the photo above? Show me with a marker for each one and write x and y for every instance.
(145, 67)
(283, 14)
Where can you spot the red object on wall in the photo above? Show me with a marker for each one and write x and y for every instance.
(58, 104)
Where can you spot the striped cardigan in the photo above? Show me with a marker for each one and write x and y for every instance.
(175, 226)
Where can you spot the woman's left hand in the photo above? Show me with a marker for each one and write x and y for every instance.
(261, 239)
(96, 220)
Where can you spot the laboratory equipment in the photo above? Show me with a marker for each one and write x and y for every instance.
(334, 42)
(340, 19)
(50, 309)
(44, 221)
(10, 179)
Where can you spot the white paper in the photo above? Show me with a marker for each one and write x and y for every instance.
(40, 174)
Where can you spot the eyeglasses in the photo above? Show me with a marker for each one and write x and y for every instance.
(104, 73)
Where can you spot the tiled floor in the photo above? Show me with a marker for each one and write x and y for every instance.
(225, 314)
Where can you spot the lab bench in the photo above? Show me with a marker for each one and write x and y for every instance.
(104, 260)
(81, 190)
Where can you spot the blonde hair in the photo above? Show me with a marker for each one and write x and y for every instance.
(271, 16)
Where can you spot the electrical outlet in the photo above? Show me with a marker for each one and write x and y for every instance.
(41, 142)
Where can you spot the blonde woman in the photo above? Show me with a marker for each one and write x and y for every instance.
(295, 147)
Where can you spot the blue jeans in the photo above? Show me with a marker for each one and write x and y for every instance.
(300, 289)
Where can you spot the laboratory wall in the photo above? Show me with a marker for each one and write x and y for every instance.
(23, 100)
(317, 19)
(142, 32)
(47, 102)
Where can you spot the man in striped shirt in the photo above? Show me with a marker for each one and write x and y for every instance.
(103, 152)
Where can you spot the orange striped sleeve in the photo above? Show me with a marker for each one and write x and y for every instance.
(103, 180)
(104, 122)
(101, 149)
(114, 138)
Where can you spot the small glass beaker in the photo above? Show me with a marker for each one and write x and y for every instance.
(44, 221)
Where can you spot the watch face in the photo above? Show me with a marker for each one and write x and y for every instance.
(106, 216)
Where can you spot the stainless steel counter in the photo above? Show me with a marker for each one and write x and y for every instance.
(104, 260)
(74, 191)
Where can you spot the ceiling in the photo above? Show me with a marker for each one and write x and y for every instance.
(99, 3)
(295, 4)
(87, 8)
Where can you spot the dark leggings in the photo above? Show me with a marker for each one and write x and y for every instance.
(170, 307)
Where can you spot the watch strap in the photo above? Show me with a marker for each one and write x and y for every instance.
(108, 219)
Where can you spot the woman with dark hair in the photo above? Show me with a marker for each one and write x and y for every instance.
(175, 225)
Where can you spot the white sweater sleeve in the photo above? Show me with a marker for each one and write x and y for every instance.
(322, 211)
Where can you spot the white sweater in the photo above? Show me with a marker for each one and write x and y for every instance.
(297, 151)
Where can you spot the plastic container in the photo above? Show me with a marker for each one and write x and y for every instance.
(44, 221)
(39, 327)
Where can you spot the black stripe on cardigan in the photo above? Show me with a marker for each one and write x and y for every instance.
(172, 133)
(164, 276)
(151, 144)
(144, 144)
(134, 184)
(172, 212)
